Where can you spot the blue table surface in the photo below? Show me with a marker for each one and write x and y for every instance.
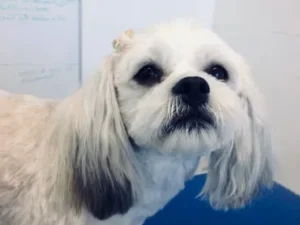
(277, 206)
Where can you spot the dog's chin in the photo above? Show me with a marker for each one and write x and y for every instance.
(196, 141)
(190, 122)
(190, 132)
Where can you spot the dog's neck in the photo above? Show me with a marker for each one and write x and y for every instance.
(155, 161)
(163, 176)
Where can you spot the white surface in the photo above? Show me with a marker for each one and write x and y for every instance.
(103, 22)
(267, 33)
(39, 47)
(269, 15)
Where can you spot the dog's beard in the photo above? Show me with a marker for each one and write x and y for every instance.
(189, 128)
(190, 120)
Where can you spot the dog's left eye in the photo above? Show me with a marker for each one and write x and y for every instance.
(218, 71)
(149, 75)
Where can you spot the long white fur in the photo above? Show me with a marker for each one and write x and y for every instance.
(41, 140)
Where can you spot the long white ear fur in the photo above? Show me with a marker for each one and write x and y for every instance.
(237, 171)
(95, 159)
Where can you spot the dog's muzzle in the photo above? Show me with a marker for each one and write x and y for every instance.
(193, 93)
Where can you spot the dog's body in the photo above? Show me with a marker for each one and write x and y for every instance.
(25, 169)
(121, 147)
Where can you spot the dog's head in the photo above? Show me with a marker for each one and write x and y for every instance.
(182, 89)
(178, 87)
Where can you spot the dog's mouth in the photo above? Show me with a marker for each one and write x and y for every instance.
(192, 120)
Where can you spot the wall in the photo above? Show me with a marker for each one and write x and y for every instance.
(267, 33)
(103, 22)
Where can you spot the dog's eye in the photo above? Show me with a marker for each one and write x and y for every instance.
(218, 71)
(148, 75)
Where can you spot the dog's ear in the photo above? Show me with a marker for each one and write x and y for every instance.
(98, 154)
(237, 171)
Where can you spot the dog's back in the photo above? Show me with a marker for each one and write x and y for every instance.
(22, 119)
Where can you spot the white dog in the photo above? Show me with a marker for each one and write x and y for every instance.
(120, 148)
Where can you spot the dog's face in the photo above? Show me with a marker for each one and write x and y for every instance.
(179, 89)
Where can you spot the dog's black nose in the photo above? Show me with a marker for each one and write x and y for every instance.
(193, 90)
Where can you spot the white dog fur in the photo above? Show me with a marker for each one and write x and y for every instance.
(100, 157)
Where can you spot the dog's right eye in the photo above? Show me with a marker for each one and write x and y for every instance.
(149, 75)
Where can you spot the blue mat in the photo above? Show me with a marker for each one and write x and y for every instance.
(274, 207)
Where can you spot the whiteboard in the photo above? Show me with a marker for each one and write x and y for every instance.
(39, 47)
